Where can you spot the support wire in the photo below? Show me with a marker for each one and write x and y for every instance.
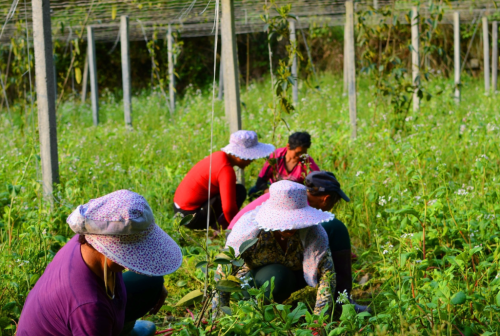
(211, 137)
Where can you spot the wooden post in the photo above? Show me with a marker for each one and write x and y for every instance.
(46, 95)
(171, 65)
(351, 65)
(85, 77)
(456, 32)
(375, 4)
(94, 94)
(486, 55)
(126, 82)
(231, 80)
(415, 59)
(295, 75)
(494, 56)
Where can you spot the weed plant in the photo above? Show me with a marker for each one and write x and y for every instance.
(423, 216)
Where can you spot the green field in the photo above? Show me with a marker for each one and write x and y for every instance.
(422, 217)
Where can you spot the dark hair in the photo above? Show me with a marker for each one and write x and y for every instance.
(299, 139)
(82, 240)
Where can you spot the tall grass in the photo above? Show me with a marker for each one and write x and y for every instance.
(422, 217)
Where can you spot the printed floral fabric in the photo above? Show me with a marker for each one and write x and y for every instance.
(314, 240)
(306, 248)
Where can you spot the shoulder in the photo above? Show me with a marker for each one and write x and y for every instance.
(279, 152)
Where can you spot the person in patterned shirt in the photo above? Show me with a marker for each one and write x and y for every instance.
(291, 246)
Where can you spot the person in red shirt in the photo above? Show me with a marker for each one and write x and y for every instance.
(215, 174)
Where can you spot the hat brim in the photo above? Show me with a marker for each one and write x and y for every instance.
(261, 150)
(343, 195)
(152, 252)
(271, 219)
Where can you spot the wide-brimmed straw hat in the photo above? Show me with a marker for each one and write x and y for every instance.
(287, 209)
(121, 226)
(246, 145)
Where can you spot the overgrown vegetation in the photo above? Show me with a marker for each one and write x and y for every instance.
(423, 216)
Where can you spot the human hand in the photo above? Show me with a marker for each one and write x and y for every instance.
(161, 301)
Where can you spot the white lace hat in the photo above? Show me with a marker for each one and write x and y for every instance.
(246, 146)
(287, 209)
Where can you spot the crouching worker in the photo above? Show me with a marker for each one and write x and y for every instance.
(323, 193)
(83, 290)
(226, 197)
(292, 247)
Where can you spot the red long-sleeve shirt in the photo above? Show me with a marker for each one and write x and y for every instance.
(192, 193)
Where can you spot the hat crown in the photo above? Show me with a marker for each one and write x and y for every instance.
(121, 205)
(288, 195)
(122, 212)
(245, 139)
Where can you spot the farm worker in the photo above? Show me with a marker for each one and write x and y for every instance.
(288, 163)
(83, 290)
(226, 196)
(292, 247)
(323, 193)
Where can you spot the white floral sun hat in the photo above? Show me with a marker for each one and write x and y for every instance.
(287, 209)
(246, 146)
(121, 226)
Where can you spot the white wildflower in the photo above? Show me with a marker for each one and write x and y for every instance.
(359, 173)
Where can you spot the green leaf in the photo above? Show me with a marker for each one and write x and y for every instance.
(498, 299)
(348, 312)
(238, 263)
(337, 331)
(201, 264)
(269, 314)
(407, 211)
(222, 261)
(247, 244)
(9, 306)
(186, 219)
(33, 279)
(181, 283)
(191, 298)
(458, 298)
(227, 310)
(228, 286)
(297, 313)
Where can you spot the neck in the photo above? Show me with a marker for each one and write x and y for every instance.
(231, 160)
(94, 260)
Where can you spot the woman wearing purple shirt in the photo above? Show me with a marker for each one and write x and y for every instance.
(83, 290)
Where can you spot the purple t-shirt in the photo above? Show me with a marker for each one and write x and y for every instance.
(69, 299)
